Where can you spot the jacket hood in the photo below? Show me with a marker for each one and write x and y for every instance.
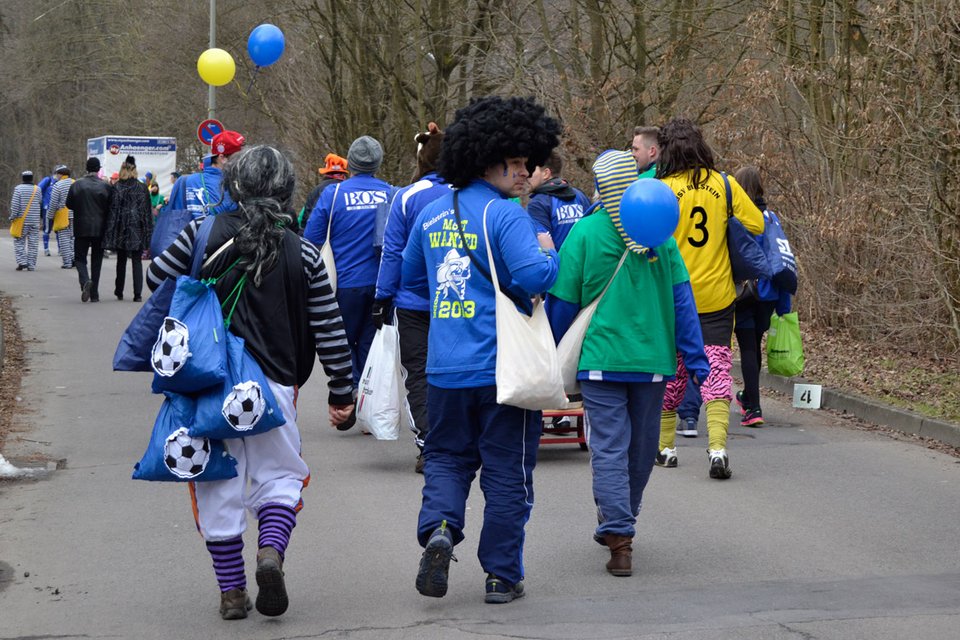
(556, 187)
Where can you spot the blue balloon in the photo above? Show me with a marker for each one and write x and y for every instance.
(649, 212)
(265, 45)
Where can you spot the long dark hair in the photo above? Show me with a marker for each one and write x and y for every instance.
(749, 179)
(682, 148)
(261, 180)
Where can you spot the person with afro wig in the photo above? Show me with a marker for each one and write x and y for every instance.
(487, 155)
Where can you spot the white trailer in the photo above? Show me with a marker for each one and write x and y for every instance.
(155, 155)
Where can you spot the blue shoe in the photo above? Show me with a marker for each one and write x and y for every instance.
(435, 563)
(499, 592)
(688, 428)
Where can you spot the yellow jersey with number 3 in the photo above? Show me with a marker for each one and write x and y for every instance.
(701, 234)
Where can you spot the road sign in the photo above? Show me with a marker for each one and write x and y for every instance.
(208, 129)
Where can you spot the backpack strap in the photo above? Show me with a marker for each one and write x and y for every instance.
(728, 192)
(200, 246)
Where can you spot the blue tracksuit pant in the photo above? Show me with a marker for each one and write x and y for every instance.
(690, 406)
(469, 431)
(624, 433)
(356, 309)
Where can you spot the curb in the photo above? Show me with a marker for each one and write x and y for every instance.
(871, 410)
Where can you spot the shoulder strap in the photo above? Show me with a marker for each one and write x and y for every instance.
(30, 201)
(473, 260)
(726, 189)
(336, 190)
(623, 259)
(200, 246)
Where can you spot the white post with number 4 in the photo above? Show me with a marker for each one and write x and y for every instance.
(807, 396)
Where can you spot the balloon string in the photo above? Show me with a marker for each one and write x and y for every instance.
(253, 78)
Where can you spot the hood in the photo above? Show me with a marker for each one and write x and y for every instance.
(556, 187)
(614, 171)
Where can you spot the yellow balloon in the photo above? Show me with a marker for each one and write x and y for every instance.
(216, 67)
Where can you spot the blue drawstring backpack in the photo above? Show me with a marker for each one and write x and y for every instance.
(190, 352)
(170, 222)
(173, 455)
(747, 258)
(244, 405)
(783, 265)
(134, 352)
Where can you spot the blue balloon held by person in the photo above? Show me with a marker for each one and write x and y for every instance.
(265, 45)
(649, 212)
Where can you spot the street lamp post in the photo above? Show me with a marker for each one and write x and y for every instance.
(212, 91)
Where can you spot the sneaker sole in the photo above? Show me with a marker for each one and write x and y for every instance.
(756, 422)
(720, 473)
(434, 568)
(502, 598)
(272, 597)
(669, 464)
(688, 433)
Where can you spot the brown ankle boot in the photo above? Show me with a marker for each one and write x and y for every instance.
(621, 554)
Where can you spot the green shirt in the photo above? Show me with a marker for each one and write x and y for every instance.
(633, 329)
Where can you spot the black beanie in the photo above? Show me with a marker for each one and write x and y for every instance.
(93, 165)
(130, 161)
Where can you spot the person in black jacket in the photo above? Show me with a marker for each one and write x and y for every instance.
(129, 226)
(89, 198)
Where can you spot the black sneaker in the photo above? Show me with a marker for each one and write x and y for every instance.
(752, 418)
(739, 397)
(85, 291)
(499, 592)
(435, 563)
(719, 464)
(667, 458)
(272, 597)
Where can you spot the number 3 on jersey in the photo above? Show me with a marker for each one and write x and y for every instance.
(699, 214)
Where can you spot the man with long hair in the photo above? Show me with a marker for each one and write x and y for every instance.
(686, 164)
(287, 315)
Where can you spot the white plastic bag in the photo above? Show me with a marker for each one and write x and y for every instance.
(571, 344)
(528, 369)
(380, 400)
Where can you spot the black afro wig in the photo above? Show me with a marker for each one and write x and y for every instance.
(490, 129)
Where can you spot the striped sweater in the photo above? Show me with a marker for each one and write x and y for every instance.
(21, 198)
(323, 313)
(58, 195)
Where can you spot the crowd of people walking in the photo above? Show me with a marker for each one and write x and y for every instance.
(432, 258)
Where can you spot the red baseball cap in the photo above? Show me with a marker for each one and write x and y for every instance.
(226, 143)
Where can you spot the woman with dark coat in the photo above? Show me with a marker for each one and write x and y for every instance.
(129, 226)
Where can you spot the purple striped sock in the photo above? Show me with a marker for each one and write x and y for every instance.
(276, 524)
(228, 563)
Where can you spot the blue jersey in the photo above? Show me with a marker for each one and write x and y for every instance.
(557, 215)
(353, 232)
(201, 194)
(46, 190)
(462, 343)
(407, 204)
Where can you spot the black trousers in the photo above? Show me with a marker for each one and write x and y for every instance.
(413, 327)
(137, 265)
(95, 247)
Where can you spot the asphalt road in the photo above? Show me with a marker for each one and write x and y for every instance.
(823, 532)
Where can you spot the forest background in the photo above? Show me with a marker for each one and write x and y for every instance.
(851, 110)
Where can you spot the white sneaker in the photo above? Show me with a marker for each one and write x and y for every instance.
(719, 464)
(667, 458)
(688, 428)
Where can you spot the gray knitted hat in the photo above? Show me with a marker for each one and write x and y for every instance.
(365, 155)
